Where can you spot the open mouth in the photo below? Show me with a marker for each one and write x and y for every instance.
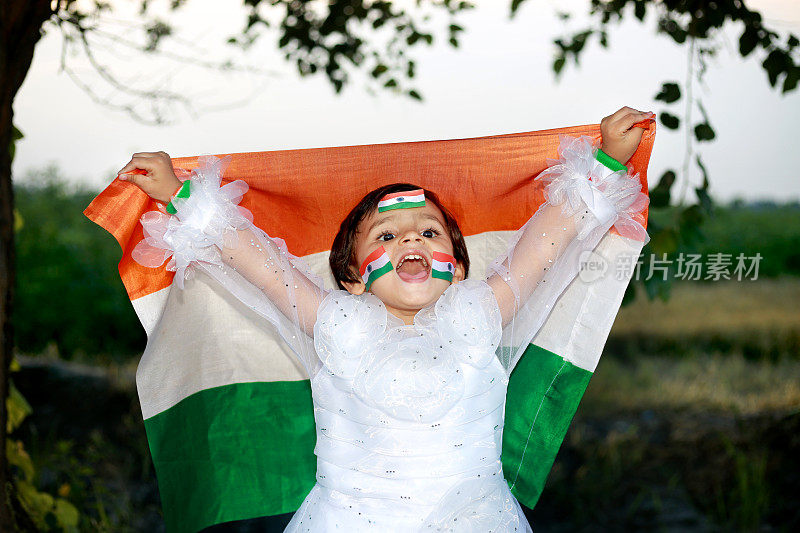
(413, 268)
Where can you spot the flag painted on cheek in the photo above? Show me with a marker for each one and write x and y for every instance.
(374, 266)
(402, 200)
(443, 266)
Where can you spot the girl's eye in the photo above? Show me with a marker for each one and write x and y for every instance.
(386, 236)
(430, 233)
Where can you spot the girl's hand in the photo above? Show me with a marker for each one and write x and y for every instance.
(620, 137)
(158, 180)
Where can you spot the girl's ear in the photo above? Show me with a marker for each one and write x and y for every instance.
(355, 287)
(459, 273)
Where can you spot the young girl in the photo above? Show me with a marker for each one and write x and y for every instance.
(409, 363)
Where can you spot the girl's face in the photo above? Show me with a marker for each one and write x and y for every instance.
(409, 236)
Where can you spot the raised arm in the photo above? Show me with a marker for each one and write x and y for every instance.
(204, 227)
(587, 193)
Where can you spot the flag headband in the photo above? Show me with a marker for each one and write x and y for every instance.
(374, 266)
(402, 200)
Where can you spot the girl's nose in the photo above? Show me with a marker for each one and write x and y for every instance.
(411, 237)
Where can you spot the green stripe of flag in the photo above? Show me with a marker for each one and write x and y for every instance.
(234, 452)
(401, 205)
(544, 390)
(247, 450)
(378, 272)
(447, 276)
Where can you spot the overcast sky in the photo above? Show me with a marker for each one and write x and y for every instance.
(498, 81)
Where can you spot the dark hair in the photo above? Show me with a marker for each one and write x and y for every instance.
(343, 250)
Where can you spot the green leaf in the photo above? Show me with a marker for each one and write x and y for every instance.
(378, 70)
(515, 5)
(414, 94)
(558, 64)
(18, 408)
(640, 9)
(660, 194)
(704, 132)
(670, 92)
(19, 222)
(790, 82)
(391, 83)
(669, 120)
(748, 41)
(19, 458)
(658, 285)
(15, 136)
(775, 64)
(66, 515)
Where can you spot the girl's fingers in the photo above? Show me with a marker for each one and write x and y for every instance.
(140, 161)
(132, 178)
(621, 112)
(626, 122)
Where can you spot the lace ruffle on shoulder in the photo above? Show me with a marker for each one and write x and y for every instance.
(410, 373)
(346, 328)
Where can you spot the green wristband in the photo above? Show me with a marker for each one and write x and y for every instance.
(609, 161)
(183, 192)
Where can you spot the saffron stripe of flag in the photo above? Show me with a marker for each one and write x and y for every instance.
(402, 200)
(374, 266)
(443, 266)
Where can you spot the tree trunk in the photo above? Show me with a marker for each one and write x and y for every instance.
(20, 29)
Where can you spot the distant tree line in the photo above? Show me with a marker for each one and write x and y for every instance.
(69, 292)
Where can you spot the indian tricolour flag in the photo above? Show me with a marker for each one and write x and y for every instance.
(374, 266)
(402, 200)
(227, 408)
(443, 266)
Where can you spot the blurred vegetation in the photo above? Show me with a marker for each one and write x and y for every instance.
(690, 423)
(69, 295)
(47, 513)
(773, 230)
(68, 292)
(92, 453)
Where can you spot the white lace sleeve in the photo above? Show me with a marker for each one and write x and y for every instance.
(583, 200)
(211, 232)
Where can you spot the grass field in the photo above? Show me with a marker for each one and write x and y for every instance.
(690, 423)
(729, 346)
(721, 307)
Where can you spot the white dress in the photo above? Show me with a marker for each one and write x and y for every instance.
(409, 419)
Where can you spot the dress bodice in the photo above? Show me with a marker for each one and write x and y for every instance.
(410, 418)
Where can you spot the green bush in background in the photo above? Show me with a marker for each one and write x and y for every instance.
(68, 288)
(771, 229)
